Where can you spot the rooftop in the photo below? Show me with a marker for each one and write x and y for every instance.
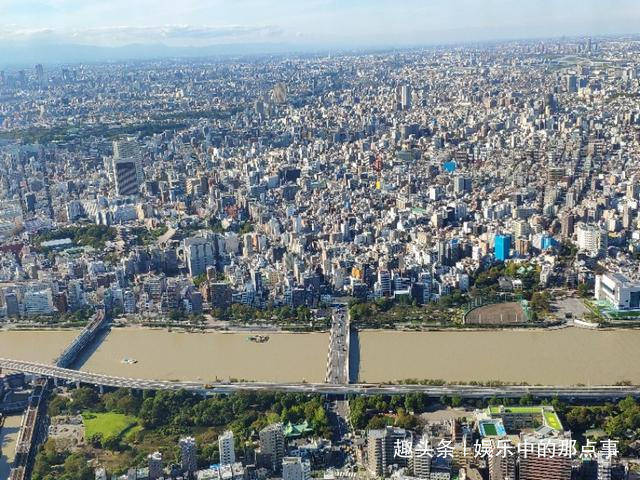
(548, 415)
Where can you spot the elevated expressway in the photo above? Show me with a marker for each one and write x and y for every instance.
(339, 389)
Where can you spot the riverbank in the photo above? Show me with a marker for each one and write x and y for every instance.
(47, 327)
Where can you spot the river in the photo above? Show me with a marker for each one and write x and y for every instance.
(8, 438)
(163, 355)
(36, 346)
(554, 357)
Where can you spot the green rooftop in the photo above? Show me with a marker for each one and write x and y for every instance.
(548, 415)
(299, 430)
(522, 410)
(551, 420)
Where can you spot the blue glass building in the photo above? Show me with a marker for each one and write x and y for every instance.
(501, 247)
(547, 241)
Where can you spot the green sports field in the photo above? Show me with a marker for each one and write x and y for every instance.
(109, 425)
(490, 429)
(552, 420)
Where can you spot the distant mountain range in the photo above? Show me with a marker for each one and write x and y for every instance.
(27, 55)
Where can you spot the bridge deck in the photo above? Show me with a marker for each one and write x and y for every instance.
(465, 391)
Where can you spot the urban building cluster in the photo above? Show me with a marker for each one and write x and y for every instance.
(499, 443)
(273, 457)
(188, 185)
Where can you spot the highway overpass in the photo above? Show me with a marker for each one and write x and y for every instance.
(593, 393)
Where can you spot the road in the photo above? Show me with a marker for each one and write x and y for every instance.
(338, 414)
(464, 391)
(338, 356)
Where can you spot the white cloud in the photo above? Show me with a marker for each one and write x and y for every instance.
(124, 34)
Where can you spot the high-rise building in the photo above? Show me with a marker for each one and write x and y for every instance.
(405, 97)
(501, 247)
(633, 188)
(11, 304)
(421, 463)
(461, 184)
(199, 254)
(604, 467)
(219, 295)
(256, 280)
(566, 225)
(226, 448)
(272, 444)
(30, 202)
(521, 228)
(294, 468)
(544, 467)
(40, 75)
(189, 455)
(127, 167)
(38, 302)
(155, 466)
(502, 466)
(384, 281)
(381, 449)
(592, 240)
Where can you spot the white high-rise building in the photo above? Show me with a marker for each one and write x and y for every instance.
(199, 254)
(592, 239)
(127, 167)
(294, 468)
(38, 303)
(226, 448)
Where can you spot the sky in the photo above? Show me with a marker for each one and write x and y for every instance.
(182, 23)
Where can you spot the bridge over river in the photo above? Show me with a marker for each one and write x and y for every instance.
(590, 393)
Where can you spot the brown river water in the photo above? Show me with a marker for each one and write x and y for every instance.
(555, 357)
(163, 355)
(8, 439)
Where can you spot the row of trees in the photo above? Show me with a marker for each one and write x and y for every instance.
(389, 311)
(619, 421)
(282, 315)
(374, 411)
(86, 235)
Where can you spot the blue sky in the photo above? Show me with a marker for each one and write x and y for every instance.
(330, 22)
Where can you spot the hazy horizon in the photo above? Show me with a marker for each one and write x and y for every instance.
(198, 23)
